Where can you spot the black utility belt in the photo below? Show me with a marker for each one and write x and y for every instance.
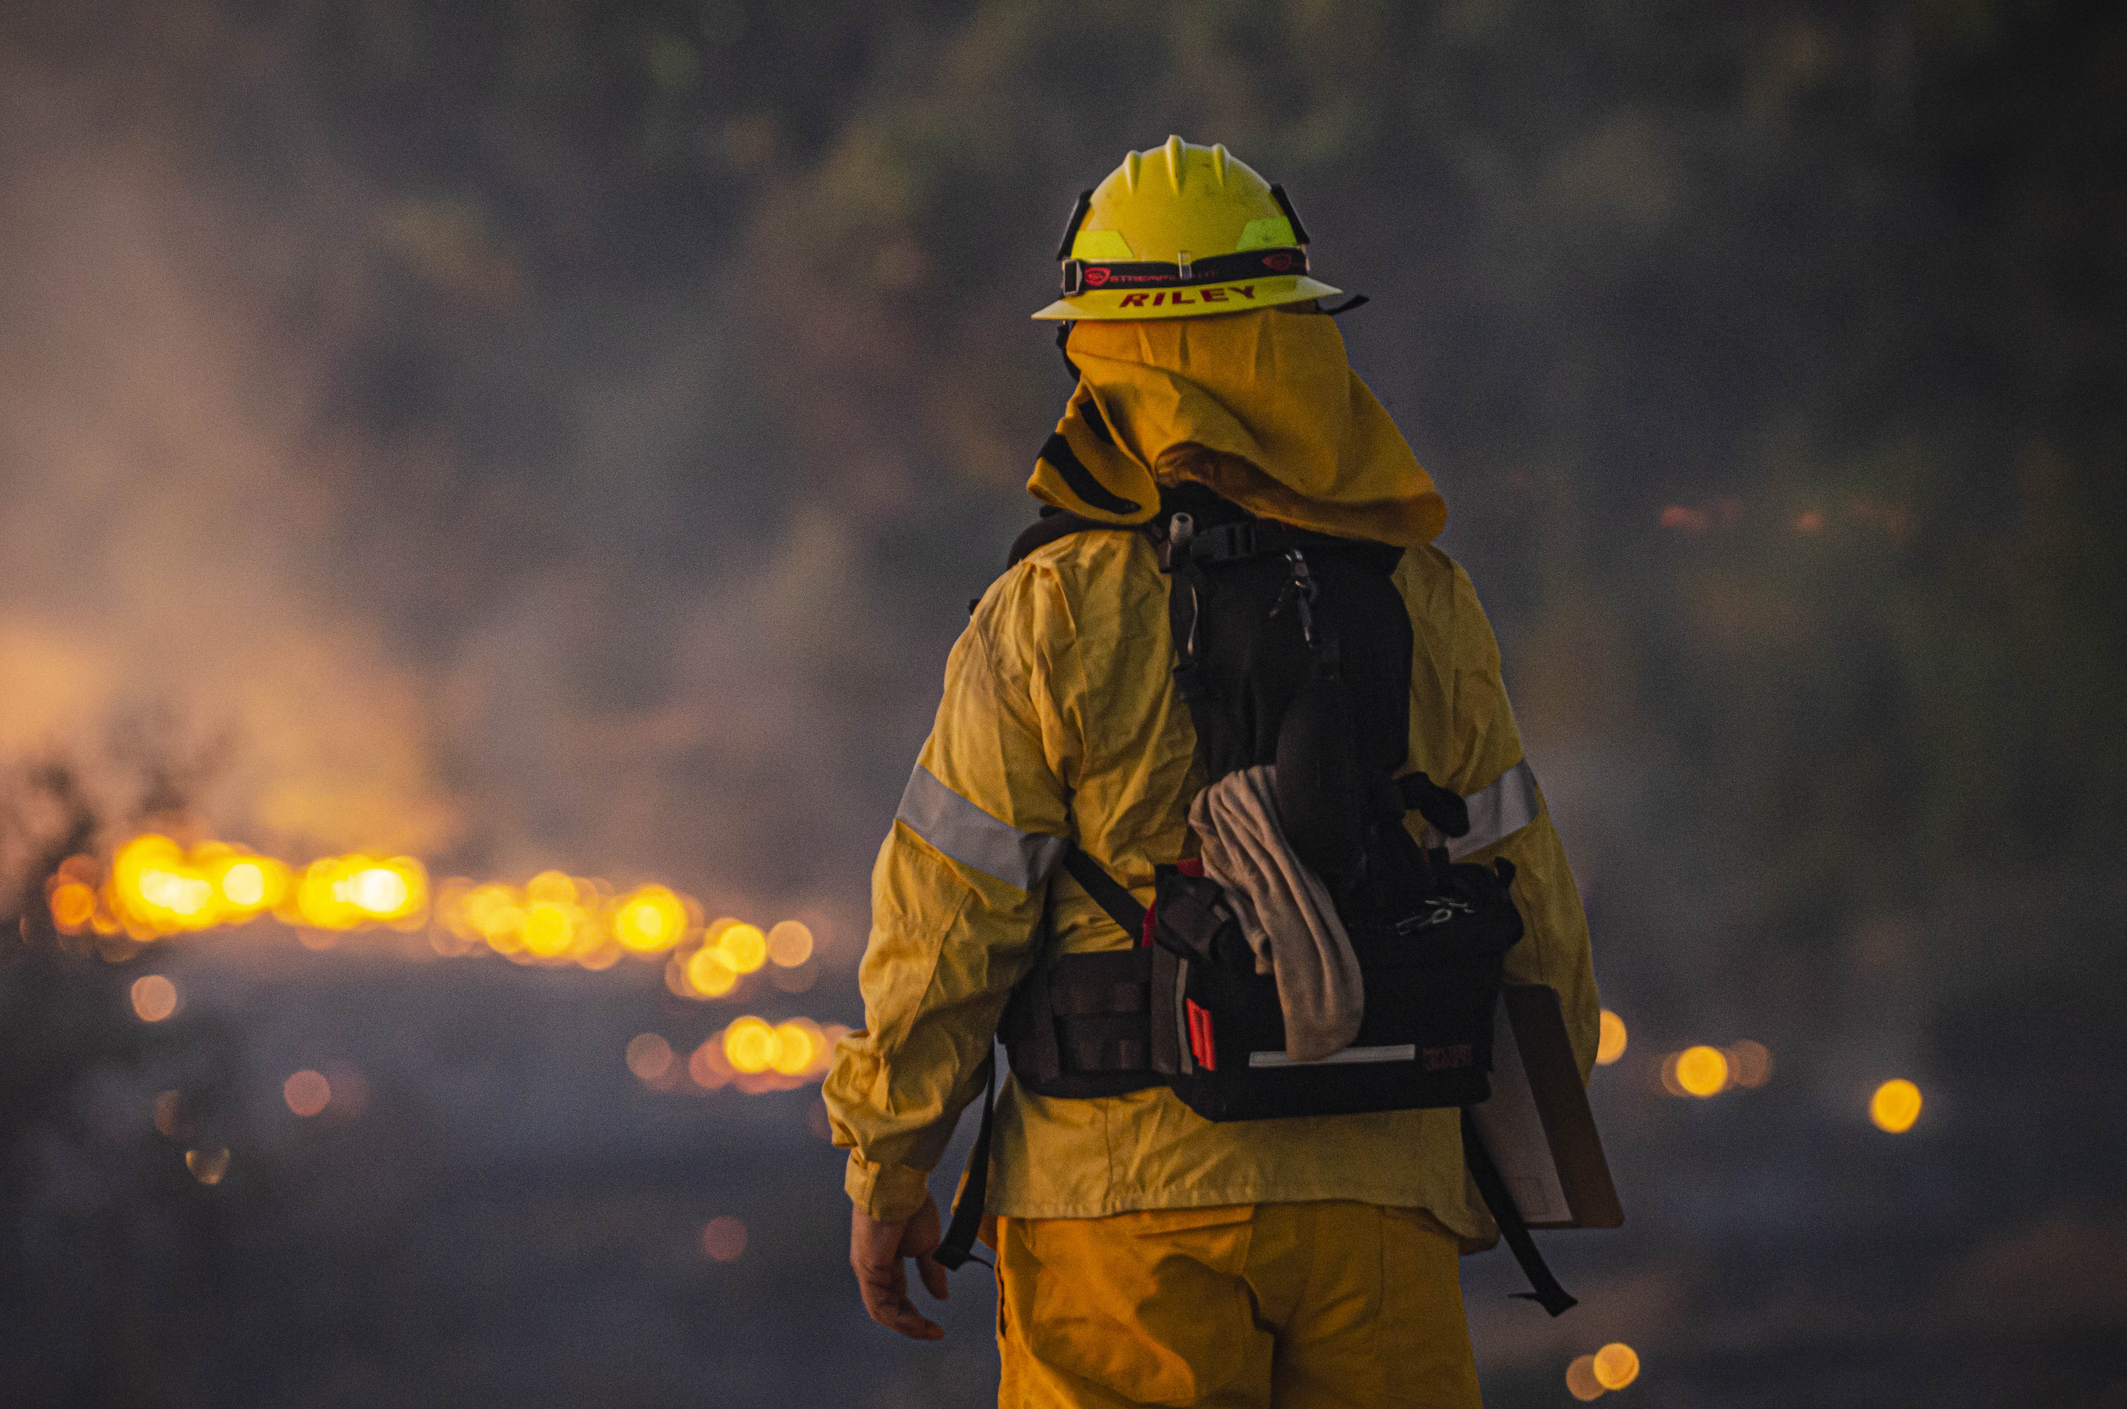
(1187, 1010)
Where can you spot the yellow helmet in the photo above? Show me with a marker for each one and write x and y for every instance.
(1181, 231)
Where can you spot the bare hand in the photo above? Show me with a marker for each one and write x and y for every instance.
(876, 1250)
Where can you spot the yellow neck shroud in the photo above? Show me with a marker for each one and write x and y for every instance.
(1261, 407)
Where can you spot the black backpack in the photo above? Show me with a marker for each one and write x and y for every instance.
(1291, 648)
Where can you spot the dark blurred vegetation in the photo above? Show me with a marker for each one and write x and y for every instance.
(1770, 358)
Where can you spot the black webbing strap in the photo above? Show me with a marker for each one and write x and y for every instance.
(1548, 1294)
(1107, 892)
(957, 1248)
(1444, 808)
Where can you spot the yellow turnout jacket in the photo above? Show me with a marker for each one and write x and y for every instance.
(1059, 722)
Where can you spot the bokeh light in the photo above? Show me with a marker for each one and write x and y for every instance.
(358, 891)
(73, 905)
(709, 1068)
(1702, 1071)
(1580, 1379)
(649, 1057)
(723, 1239)
(1895, 1106)
(789, 944)
(156, 888)
(1610, 1043)
(307, 1092)
(154, 998)
(1616, 1365)
(172, 1120)
(708, 975)
(207, 1166)
(549, 927)
(798, 1045)
(742, 948)
(649, 921)
(750, 1044)
(244, 885)
(1750, 1064)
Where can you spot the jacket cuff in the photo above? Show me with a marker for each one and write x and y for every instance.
(888, 1192)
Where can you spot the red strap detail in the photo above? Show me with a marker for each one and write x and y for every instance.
(1190, 866)
(1151, 924)
(1200, 1043)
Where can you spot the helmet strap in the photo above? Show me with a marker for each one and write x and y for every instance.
(1078, 218)
(1063, 339)
(1292, 217)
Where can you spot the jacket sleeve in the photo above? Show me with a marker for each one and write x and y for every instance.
(957, 893)
(1508, 818)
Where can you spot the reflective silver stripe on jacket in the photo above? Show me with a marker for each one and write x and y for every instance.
(973, 837)
(1496, 812)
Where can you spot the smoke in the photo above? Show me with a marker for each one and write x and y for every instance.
(555, 612)
(169, 484)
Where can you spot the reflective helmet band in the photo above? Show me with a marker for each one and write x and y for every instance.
(1079, 275)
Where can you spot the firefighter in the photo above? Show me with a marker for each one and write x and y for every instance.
(1145, 1255)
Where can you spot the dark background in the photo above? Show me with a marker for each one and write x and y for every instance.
(542, 433)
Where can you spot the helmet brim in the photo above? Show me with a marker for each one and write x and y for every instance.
(1195, 301)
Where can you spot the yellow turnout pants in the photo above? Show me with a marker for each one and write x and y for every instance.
(1299, 1306)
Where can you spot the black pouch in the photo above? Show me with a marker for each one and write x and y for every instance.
(1432, 979)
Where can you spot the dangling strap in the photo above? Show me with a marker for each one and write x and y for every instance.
(1548, 1294)
(957, 1249)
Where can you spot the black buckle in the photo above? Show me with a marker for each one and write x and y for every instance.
(1225, 542)
(1074, 277)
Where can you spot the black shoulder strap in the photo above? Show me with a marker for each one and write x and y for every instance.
(1107, 892)
(1052, 525)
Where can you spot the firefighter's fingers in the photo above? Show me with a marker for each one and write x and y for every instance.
(920, 1240)
(875, 1255)
(933, 1274)
(886, 1300)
